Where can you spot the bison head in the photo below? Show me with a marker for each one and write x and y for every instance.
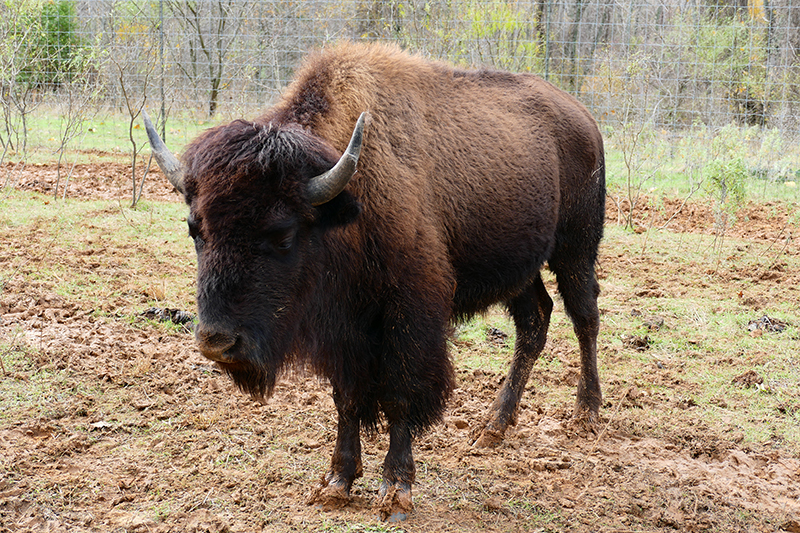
(262, 198)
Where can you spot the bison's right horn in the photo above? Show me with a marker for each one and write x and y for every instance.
(168, 163)
(326, 186)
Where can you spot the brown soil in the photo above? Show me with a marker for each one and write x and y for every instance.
(142, 434)
(107, 181)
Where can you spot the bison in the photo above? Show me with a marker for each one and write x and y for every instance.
(382, 199)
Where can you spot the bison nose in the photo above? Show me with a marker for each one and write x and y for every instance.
(215, 345)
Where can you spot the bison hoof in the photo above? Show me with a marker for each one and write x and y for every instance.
(332, 493)
(489, 438)
(394, 502)
(585, 420)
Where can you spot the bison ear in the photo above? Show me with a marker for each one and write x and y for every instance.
(342, 210)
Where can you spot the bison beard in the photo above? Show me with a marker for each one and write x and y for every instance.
(468, 182)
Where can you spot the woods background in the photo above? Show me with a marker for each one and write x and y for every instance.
(662, 69)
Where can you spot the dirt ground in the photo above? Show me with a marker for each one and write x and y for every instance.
(135, 431)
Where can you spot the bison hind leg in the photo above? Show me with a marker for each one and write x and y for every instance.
(579, 289)
(531, 313)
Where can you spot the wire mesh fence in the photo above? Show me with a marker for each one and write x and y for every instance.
(657, 67)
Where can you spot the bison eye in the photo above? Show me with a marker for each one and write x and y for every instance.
(194, 233)
(194, 227)
(282, 241)
(279, 239)
(286, 243)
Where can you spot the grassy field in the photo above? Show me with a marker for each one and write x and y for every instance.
(639, 158)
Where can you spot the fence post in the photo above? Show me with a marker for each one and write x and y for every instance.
(547, 41)
(161, 59)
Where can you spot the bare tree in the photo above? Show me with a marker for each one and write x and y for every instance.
(378, 19)
(20, 35)
(211, 28)
(134, 105)
(77, 99)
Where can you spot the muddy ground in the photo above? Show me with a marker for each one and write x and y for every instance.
(118, 424)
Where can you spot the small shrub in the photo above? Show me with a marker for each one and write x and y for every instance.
(725, 177)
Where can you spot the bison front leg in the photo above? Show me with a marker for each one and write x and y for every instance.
(333, 491)
(394, 496)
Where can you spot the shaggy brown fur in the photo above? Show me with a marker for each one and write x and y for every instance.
(468, 183)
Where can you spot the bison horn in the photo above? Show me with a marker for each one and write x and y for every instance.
(168, 163)
(326, 186)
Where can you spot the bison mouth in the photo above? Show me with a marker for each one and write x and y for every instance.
(251, 378)
(245, 355)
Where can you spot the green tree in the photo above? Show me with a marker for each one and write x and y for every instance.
(55, 46)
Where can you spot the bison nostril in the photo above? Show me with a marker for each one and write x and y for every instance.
(215, 344)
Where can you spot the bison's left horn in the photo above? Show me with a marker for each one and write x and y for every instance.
(327, 186)
(168, 163)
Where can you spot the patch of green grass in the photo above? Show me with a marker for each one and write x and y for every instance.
(538, 515)
(486, 341)
(13, 352)
(163, 509)
(663, 162)
(673, 162)
(31, 388)
(106, 136)
(704, 342)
